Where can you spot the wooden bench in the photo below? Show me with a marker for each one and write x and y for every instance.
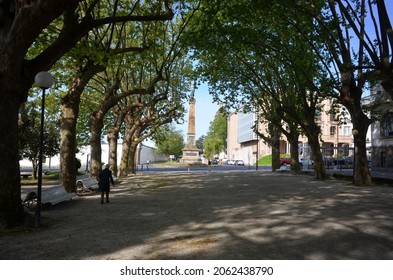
(86, 186)
(51, 195)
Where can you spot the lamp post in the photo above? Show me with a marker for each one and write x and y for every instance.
(44, 80)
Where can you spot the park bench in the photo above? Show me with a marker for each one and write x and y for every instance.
(51, 195)
(284, 167)
(25, 175)
(86, 186)
(89, 185)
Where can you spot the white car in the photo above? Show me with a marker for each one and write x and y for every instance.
(239, 162)
(231, 162)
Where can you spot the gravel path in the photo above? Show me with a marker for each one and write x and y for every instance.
(237, 215)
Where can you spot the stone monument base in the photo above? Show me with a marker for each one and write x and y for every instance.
(190, 155)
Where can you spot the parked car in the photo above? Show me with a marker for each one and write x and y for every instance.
(214, 161)
(239, 162)
(231, 162)
(287, 161)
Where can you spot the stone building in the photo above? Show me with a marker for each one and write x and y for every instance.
(244, 144)
(381, 105)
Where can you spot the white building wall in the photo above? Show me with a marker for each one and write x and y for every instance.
(150, 154)
(146, 153)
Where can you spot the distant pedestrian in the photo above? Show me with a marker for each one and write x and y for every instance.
(106, 178)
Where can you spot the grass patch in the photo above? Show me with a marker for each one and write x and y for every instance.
(267, 160)
(48, 176)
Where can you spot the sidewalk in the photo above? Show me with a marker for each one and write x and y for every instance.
(226, 215)
(377, 176)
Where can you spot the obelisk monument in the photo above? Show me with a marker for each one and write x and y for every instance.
(190, 151)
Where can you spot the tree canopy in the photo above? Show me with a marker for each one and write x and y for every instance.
(169, 141)
(215, 141)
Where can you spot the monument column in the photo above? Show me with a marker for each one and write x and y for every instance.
(191, 122)
(190, 151)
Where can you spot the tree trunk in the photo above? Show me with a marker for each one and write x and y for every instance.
(316, 155)
(112, 142)
(124, 156)
(293, 139)
(131, 158)
(319, 165)
(68, 119)
(35, 169)
(127, 165)
(361, 174)
(350, 98)
(95, 143)
(275, 143)
(11, 209)
(113, 136)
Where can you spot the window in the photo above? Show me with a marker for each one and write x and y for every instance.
(387, 125)
(347, 130)
(332, 130)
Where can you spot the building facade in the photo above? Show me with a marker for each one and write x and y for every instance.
(381, 105)
(243, 143)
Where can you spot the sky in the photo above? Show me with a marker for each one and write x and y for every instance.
(205, 110)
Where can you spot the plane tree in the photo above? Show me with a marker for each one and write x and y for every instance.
(351, 42)
(153, 77)
(216, 137)
(169, 140)
(356, 53)
(146, 122)
(22, 26)
(29, 134)
(252, 56)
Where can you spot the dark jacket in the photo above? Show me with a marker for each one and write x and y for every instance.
(105, 180)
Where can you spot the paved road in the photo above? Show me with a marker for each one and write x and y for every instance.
(215, 215)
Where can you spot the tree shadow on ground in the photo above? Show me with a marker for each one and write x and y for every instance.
(246, 215)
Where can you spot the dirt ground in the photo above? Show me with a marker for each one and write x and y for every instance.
(214, 215)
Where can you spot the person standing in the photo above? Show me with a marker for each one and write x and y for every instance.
(106, 178)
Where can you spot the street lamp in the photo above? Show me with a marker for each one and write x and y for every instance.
(44, 80)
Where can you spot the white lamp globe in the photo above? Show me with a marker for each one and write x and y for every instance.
(44, 80)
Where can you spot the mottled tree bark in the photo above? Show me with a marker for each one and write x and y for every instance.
(293, 139)
(96, 125)
(275, 144)
(68, 121)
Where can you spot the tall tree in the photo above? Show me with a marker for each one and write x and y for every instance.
(257, 53)
(21, 25)
(216, 138)
(169, 141)
(200, 143)
(353, 57)
(29, 134)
